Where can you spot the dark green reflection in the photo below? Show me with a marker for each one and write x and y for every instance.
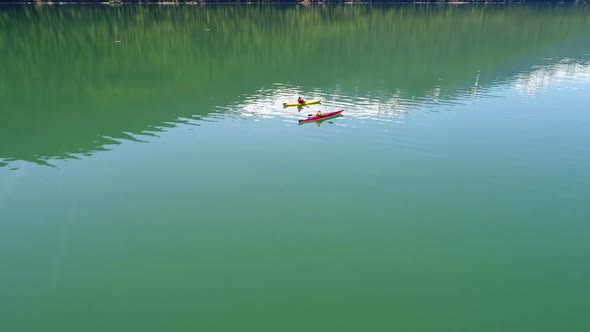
(75, 79)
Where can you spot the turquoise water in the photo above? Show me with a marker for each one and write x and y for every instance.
(150, 178)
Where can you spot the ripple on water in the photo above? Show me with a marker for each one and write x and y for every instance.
(390, 107)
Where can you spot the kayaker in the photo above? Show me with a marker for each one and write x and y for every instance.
(300, 100)
(318, 114)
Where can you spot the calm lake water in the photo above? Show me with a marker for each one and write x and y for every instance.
(150, 179)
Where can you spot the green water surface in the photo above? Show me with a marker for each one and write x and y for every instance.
(150, 179)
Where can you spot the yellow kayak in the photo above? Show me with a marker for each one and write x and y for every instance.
(307, 102)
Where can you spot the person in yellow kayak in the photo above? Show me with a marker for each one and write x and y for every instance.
(300, 100)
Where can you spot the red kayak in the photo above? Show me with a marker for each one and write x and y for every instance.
(321, 117)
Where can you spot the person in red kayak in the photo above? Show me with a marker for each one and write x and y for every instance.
(300, 100)
(319, 114)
